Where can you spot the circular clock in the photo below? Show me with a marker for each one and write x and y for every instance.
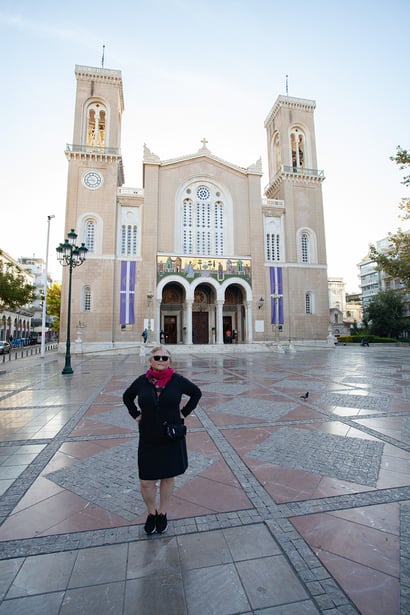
(92, 180)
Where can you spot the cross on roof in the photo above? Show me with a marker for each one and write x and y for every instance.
(204, 143)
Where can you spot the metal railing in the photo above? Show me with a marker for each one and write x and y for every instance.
(23, 352)
(93, 149)
(123, 190)
(273, 203)
(303, 171)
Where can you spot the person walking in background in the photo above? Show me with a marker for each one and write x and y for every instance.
(162, 452)
(144, 336)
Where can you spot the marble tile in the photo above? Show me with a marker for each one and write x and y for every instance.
(214, 589)
(43, 573)
(379, 550)
(149, 558)
(33, 605)
(373, 592)
(159, 594)
(270, 581)
(250, 541)
(205, 549)
(90, 566)
(106, 599)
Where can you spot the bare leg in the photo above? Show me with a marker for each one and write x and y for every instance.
(166, 489)
(149, 494)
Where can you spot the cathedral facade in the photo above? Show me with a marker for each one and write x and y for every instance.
(199, 254)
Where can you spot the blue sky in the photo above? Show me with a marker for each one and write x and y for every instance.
(194, 69)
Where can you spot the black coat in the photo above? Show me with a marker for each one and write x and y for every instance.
(159, 457)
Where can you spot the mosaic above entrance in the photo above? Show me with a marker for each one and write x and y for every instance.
(190, 267)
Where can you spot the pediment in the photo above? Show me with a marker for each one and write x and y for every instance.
(205, 153)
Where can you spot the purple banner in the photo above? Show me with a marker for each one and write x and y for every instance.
(276, 291)
(127, 292)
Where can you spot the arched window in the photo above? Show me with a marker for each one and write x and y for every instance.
(276, 153)
(203, 222)
(129, 234)
(304, 247)
(272, 247)
(187, 226)
(86, 299)
(297, 146)
(273, 242)
(96, 125)
(308, 303)
(90, 236)
(219, 227)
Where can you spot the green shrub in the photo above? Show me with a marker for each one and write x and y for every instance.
(372, 339)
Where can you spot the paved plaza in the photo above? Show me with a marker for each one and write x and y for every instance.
(290, 506)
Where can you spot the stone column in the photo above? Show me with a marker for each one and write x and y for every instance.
(157, 319)
(188, 321)
(219, 323)
(248, 322)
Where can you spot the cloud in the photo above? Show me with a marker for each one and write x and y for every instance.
(43, 30)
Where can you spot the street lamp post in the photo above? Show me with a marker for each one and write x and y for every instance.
(43, 319)
(150, 296)
(70, 255)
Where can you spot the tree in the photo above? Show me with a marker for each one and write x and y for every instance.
(396, 260)
(402, 158)
(14, 290)
(385, 314)
(54, 304)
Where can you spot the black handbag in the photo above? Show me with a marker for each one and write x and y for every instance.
(174, 431)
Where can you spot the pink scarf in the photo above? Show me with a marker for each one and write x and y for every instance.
(159, 379)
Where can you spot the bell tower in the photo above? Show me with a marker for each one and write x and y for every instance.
(295, 181)
(95, 171)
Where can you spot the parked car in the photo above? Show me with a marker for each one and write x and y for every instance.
(19, 342)
(4, 347)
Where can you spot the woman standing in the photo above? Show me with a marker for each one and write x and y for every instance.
(160, 456)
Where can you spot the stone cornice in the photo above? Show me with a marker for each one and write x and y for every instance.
(100, 154)
(204, 152)
(103, 75)
(91, 156)
(300, 104)
(106, 155)
(273, 207)
(130, 192)
(272, 212)
(295, 178)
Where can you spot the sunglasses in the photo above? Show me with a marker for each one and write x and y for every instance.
(160, 357)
